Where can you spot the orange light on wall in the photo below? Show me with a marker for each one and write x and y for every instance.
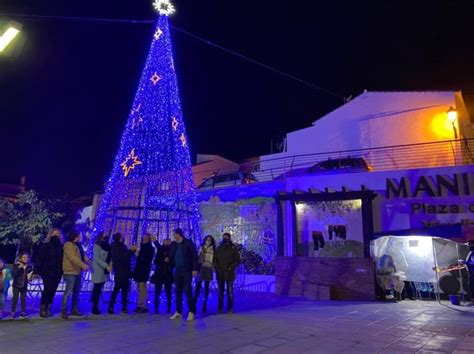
(452, 115)
(441, 126)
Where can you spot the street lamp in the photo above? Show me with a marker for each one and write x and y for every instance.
(13, 29)
(453, 118)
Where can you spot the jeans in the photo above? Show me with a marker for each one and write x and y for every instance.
(198, 290)
(158, 287)
(183, 280)
(50, 286)
(142, 295)
(96, 292)
(73, 285)
(123, 287)
(19, 292)
(230, 294)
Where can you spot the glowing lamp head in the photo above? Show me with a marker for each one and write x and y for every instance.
(9, 35)
(452, 114)
(164, 7)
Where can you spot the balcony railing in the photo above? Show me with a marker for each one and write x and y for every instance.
(396, 157)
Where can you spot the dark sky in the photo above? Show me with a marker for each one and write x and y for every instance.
(67, 88)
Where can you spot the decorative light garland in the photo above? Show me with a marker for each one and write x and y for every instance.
(150, 189)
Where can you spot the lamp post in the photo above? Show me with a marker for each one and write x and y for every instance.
(13, 29)
(453, 117)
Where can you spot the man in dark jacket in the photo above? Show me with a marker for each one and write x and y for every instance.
(121, 259)
(163, 275)
(226, 261)
(185, 261)
(50, 267)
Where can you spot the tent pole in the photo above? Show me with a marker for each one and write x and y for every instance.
(461, 280)
(438, 297)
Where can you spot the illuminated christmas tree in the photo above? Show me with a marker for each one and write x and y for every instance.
(150, 189)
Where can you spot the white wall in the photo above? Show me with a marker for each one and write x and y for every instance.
(374, 120)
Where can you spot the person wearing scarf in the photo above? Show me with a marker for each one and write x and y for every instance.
(206, 275)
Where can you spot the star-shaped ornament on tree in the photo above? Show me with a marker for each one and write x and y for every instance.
(130, 162)
(183, 140)
(164, 7)
(158, 34)
(175, 123)
(155, 78)
(136, 122)
(136, 110)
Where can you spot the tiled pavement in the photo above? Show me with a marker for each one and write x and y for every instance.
(263, 324)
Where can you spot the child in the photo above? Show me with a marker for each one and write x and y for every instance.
(22, 273)
(3, 275)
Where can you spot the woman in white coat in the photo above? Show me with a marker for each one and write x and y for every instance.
(101, 267)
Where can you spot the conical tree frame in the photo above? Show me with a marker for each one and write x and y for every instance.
(150, 189)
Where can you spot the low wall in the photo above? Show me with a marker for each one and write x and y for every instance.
(325, 278)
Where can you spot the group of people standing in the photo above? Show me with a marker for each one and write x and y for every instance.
(175, 262)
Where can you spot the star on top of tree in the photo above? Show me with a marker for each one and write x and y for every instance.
(164, 7)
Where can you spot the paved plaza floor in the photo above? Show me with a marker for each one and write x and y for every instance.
(261, 324)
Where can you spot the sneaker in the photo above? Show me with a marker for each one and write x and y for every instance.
(23, 316)
(176, 316)
(191, 316)
(77, 313)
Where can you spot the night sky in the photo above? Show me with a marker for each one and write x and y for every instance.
(67, 87)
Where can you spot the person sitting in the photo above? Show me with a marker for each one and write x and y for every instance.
(387, 278)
